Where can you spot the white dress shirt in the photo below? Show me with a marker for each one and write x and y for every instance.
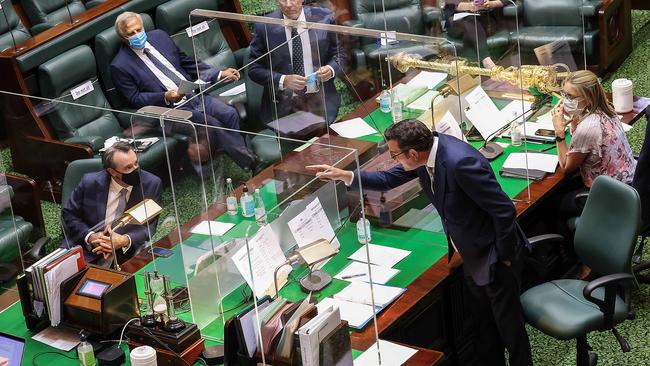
(112, 202)
(303, 34)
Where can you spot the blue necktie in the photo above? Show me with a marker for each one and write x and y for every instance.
(164, 69)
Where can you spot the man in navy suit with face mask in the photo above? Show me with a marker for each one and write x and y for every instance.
(479, 220)
(101, 198)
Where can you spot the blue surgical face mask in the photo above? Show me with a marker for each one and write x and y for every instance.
(138, 41)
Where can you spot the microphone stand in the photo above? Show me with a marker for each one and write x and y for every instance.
(13, 39)
(67, 6)
(122, 223)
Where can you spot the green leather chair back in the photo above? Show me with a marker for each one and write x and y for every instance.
(210, 46)
(12, 24)
(107, 43)
(73, 174)
(51, 11)
(64, 72)
(609, 226)
(401, 15)
(13, 229)
(552, 13)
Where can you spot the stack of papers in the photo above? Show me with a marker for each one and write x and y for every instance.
(380, 255)
(358, 271)
(213, 228)
(353, 128)
(362, 293)
(315, 331)
(391, 354)
(357, 315)
(532, 161)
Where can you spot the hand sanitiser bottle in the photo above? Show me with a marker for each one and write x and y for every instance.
(247, 204)
(85, 351)
(231, 199)
(260, 210)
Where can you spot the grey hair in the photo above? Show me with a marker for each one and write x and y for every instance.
(121, 20)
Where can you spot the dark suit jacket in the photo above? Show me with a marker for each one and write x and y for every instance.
(475, 211)
(139, 85)
(268, 70)
(86, 207)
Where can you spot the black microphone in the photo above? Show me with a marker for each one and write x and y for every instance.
(383, 145)
(491, 150)
(60, 218)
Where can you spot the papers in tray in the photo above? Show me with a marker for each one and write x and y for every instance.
(391, 354)
(380, 255)
(535, 167)
(357, 315)
(353, 128)
(359, 292)
(213, 228)
(358, 271)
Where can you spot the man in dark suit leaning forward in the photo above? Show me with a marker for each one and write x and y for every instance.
(101, 198)
(479, 220)
(148, 70)
(295, 54)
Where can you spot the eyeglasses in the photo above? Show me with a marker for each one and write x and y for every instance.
(394, 156)
(568, 97)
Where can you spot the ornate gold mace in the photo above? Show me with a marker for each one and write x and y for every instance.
(544, 78)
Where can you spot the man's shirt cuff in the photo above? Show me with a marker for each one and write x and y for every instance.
(332, 70)
(89, 246)
(128, 246)
(281, 84)
(351, 180)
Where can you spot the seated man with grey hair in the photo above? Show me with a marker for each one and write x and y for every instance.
(148, 70)
(101, 198)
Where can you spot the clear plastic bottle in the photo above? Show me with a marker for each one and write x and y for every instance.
(397, 109)
(515, 131)
(231, 199)
(363, 235)
(384, 101)
(247, 204)
(260, 211)
(85, 351)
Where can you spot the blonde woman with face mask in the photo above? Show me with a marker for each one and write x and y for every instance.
(598, 143)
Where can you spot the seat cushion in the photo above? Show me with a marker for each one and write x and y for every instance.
(559, 309)
(531, 37)
(9, 249)
(266, 147)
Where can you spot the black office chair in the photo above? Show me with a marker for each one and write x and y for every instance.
(641, 183)
(569, 309)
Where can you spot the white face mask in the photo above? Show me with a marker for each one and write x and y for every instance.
(570, 108)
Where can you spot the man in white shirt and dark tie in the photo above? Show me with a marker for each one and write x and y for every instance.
(101, 199)
(301, 66)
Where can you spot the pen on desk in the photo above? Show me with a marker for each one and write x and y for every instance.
(353, 276)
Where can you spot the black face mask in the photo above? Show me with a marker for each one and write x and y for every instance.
(133, 178)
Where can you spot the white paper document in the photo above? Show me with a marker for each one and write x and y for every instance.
(392, 354)
(357, 315)
(53, 280)
(61, 338)
(214, 228)
(515, 109)
(234, 91)
(360, 292)
(459, 16)
(483, 114)
(358, 271)
(427, 79)
(380, 255)
(314, 331)
(312, 224)
(353, 128)
(423, 103)
(265, 256)
(449, 126)
(536, 161)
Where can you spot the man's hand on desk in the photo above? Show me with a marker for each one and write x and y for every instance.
(294, 82)
(230, 74)
(173, 96)
(328, 172)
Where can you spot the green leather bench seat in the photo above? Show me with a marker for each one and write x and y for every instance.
(11, 25)
(8, 238)
(90, 125)
(84, 33)
(565, 313)
(531, 37)
(44, 14)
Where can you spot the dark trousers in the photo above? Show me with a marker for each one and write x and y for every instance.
(499, 319)
(217, 115)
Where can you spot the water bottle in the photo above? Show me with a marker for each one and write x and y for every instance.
(397, 109)
(515, 132)
(260, 211)
(384, 101)
(231, 199)
(85, 351)
(363, 235)
(247, 204)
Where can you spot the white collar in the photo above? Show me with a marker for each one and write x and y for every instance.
(431, 162)
(301, 17)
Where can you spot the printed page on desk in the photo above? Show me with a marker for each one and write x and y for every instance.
(360, 292)
(380, 255)
(391, 354)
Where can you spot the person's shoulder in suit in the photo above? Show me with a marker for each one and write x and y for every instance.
(456, 149)
(150, 177)
(318, 14)
(94, 178)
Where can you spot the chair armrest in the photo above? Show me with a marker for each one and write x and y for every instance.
(581, 198)
(354, 23)
(39, 248)
(94, 142)
(39, 28)
(513, 10)
(546, 238)
(240, 56)
(611, 283)
(431, 15)
(590, 8)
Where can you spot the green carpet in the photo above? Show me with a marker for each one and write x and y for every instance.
(546, 350)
